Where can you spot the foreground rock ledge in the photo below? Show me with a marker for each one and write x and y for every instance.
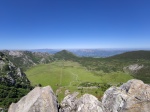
(133, 96)
(40, 99)
(87, 103)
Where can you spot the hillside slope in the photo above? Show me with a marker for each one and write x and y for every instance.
(13, 82)
(135, 60)
(133, 55)
(65, 55)
(26, 59)
(115, 63)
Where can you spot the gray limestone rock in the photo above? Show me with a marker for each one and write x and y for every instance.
(87, 103)
(69, 103)
(133, 96)
(40, 99)
(133, 68)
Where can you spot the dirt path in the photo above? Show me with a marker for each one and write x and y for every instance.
(75, 77)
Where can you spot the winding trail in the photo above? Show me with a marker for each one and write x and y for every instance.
(75, 77)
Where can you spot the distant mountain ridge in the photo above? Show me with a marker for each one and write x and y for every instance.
(141, 54)
(26, 59)
(87, 52)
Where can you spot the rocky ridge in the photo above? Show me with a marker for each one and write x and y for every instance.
(133, 96)
(10, 74)
(26, 59)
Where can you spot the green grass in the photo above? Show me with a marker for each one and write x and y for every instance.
(63, 75)
(115, 77)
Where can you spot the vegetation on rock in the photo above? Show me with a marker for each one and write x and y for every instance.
(13, 82)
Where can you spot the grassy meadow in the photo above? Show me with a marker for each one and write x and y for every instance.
(68, 75)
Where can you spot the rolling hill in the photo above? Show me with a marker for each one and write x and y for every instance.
(133, 55)
(65, 55)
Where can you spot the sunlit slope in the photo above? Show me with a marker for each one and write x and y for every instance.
(64, 73)
(68, 74)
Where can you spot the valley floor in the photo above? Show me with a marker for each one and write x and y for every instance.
(68, 76)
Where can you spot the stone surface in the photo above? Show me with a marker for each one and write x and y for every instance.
(133, 96)
(69, 103)
(87, 103)
(10, 74)
(40, 99)
(67, 92)
(15, 53)
(133, 68)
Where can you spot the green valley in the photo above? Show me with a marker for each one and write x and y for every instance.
(68, 75)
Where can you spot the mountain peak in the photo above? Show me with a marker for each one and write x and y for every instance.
(66, 55)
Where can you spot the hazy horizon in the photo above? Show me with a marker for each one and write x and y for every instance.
(82, 49)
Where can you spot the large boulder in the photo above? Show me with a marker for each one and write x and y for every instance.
(133, 96)
(89, 103)
(86, 103)
(40, 99)
(69, 103)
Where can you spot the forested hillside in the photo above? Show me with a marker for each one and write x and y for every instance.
(13, 82)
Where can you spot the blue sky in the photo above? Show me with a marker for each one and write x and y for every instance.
(34, 24)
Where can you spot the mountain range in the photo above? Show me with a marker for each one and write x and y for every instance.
(87, 52)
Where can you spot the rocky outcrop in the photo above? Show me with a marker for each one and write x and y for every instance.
(133, 96)
(40, 99)
(69, 103)
(11, 75)
(15, 53)
(133, 68)
(87, 103)
(26, 59)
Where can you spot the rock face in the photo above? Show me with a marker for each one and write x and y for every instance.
(69, 103)
(26, 59)
(133, 96)
(133, 68)
(10, 74)
(87, 103)
(40, 99)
